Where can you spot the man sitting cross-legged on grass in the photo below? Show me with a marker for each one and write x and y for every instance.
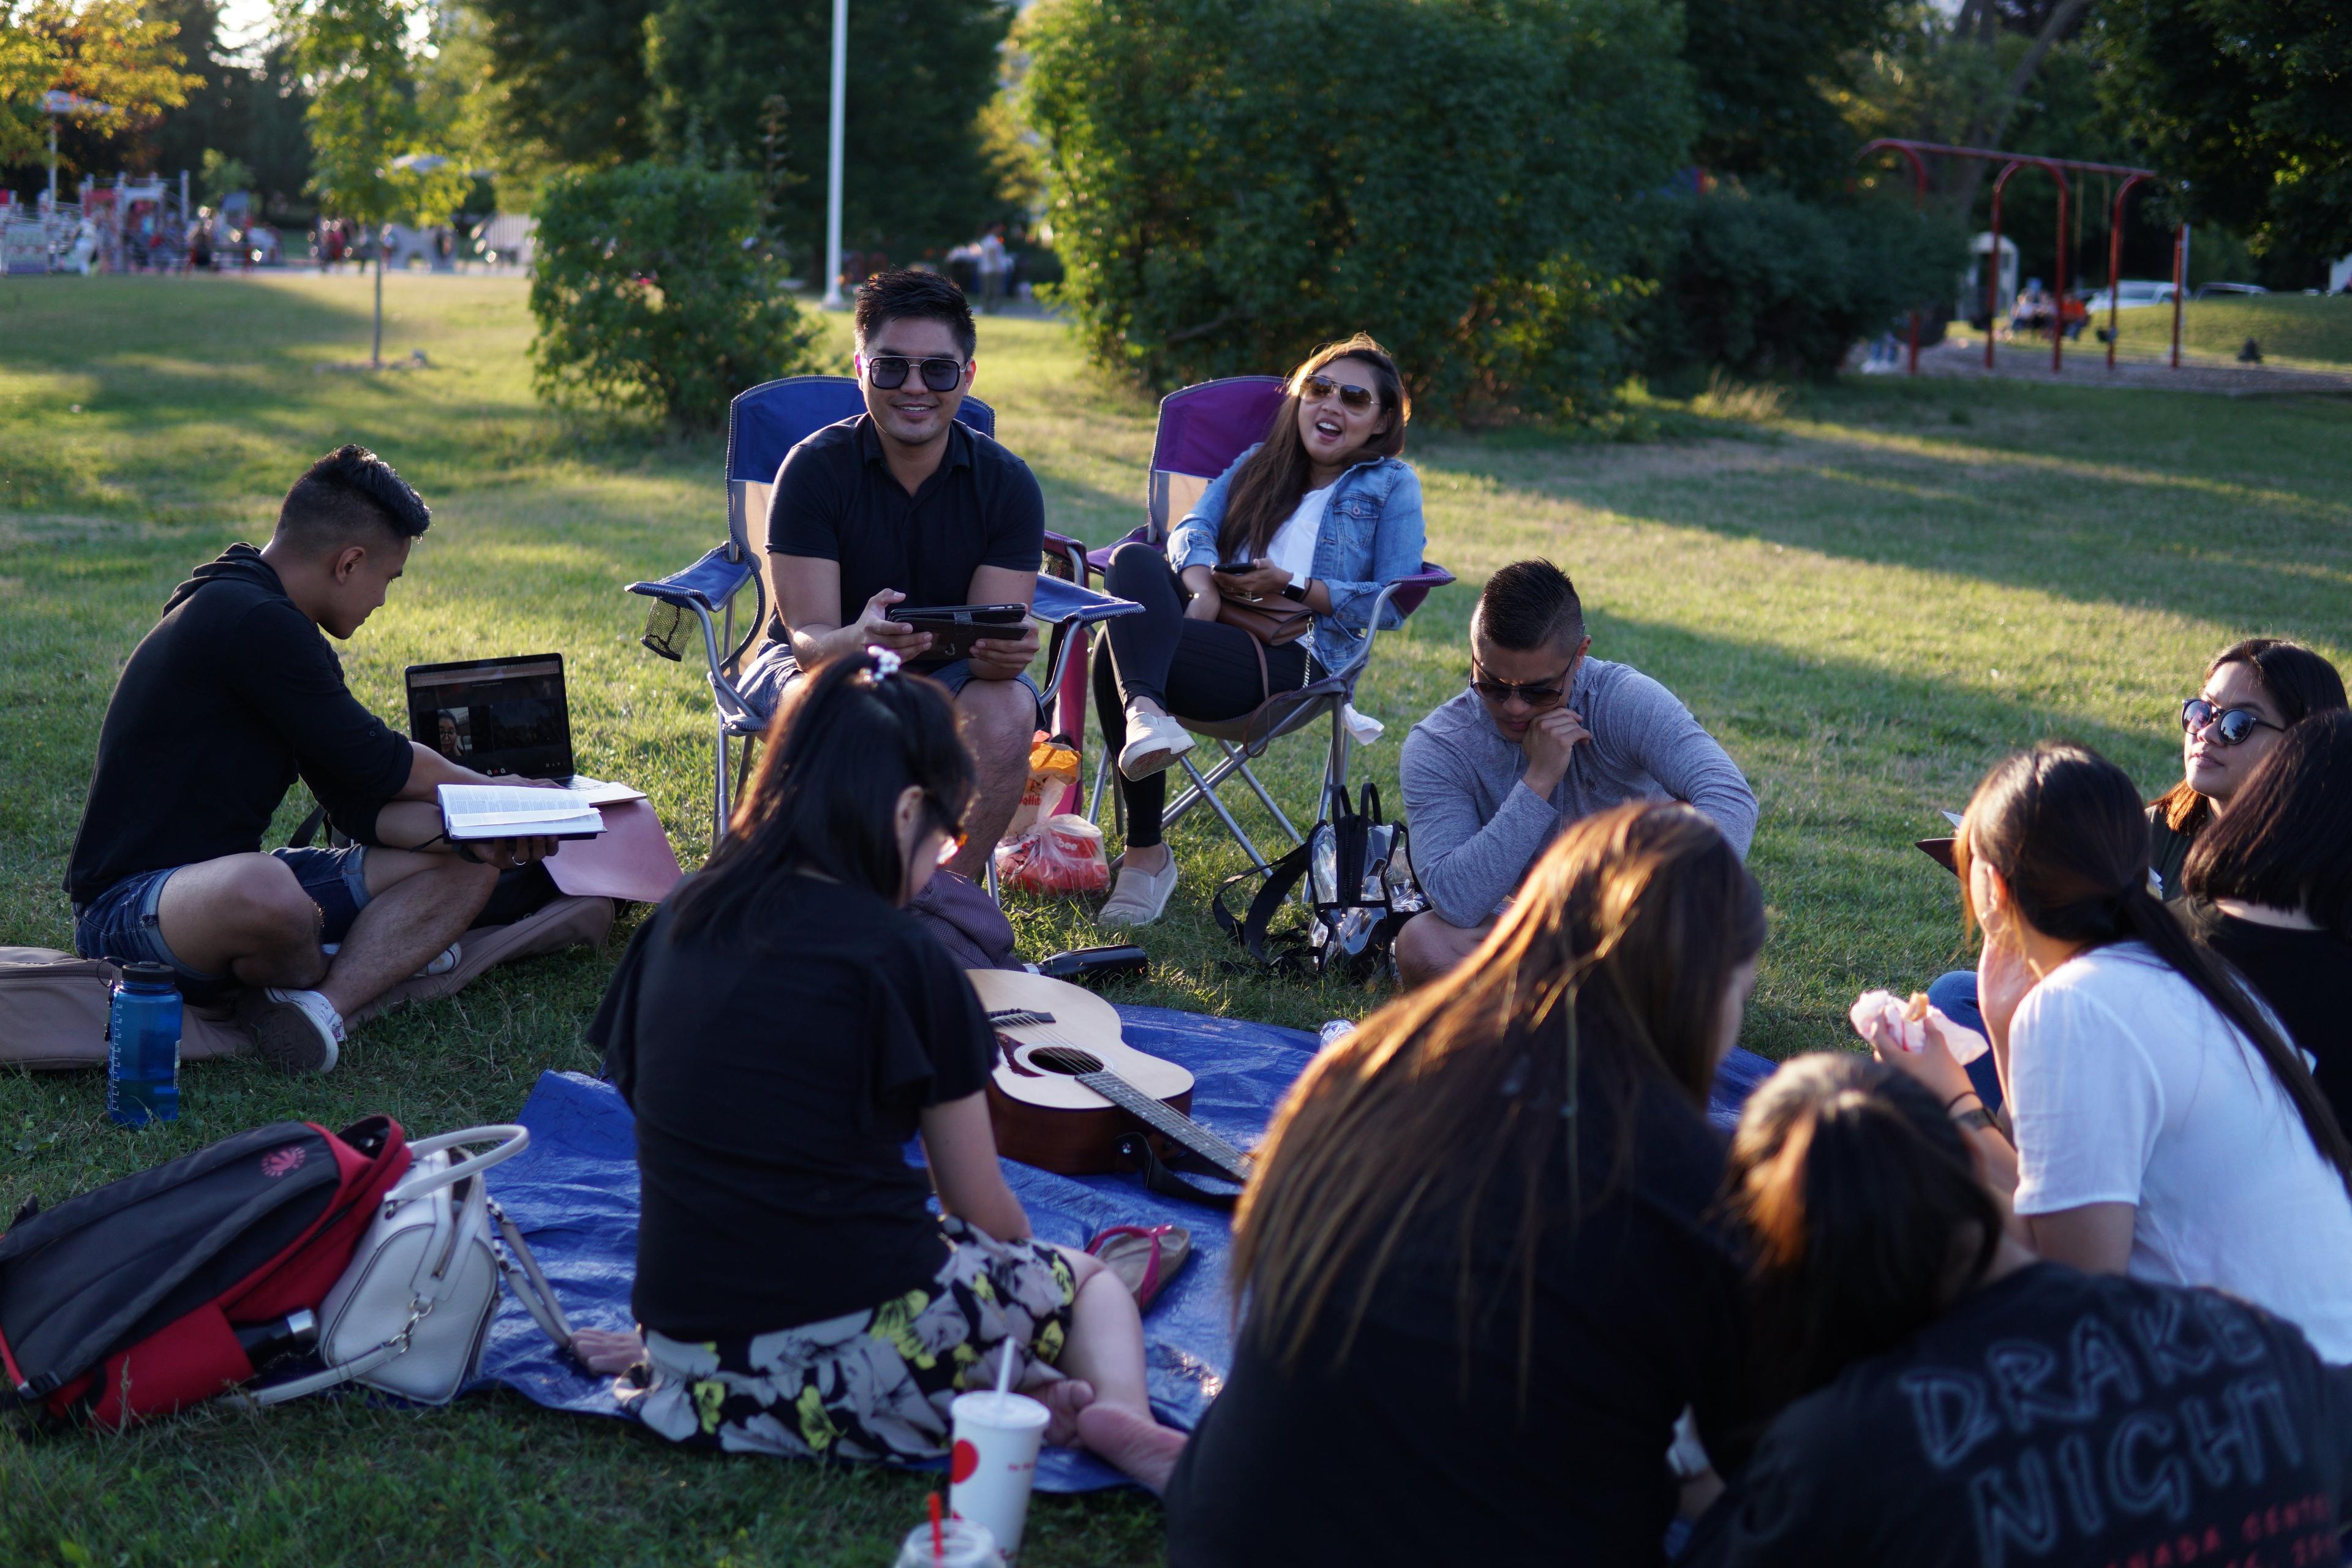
(902, 504)
(1544, 736)
(222, 705)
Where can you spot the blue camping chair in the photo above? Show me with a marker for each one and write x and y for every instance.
(1203, 429)
(763, 426)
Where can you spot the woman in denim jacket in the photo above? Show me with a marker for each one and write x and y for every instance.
(1323, 514)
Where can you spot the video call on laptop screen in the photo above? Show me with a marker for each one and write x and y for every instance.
(494, 715)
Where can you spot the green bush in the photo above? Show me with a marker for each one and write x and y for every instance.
(1232, 182)
(652, 293)
(1767, 285)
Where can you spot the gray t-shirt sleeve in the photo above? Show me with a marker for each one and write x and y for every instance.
(1465, 867)
(1647, 727)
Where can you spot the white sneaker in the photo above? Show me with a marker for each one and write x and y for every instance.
(447, 959)
(1154, 742)
(299, 1031)
(1139, 898)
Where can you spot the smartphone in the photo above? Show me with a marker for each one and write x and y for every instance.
(954, 628)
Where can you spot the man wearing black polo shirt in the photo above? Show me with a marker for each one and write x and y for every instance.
(231, 697)
(902, 504)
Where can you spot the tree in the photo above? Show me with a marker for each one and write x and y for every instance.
(652, 292)
(1769, 79)
(1474, 181)
(108, 51)
(378, 155)
(2246, 105)
(571, 84)
(915, 175)
(1960, 75)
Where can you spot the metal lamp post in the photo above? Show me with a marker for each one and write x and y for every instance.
(832, 155)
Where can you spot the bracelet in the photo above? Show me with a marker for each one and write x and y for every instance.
(1977, 1118)
(1964, 1094)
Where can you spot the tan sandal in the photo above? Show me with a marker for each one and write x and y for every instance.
(1145, 1258)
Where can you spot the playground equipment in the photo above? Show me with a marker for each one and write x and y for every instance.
(125, 227)
(1917, 153)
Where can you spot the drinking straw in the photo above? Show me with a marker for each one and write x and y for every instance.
(938, 1534)
(1003, 1369)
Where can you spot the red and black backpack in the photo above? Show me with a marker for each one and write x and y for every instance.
(124, 1303)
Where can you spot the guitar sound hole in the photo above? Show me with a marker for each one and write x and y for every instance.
(1064, 1059)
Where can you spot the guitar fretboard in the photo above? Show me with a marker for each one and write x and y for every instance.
(1169, 1123)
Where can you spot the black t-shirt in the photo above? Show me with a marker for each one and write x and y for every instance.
(2306, 978)
(776, 1074)
(2062, 1418)
(232, 696)
(836, 499)
(1387, 1461)
(2168, 852)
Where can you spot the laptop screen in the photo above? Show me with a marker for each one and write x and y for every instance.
(494, 715)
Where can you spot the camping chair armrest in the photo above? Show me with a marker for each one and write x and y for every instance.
(710, 583)
(1407, 593)
(1070, 608)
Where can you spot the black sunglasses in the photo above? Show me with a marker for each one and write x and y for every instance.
(1350, 397)
(1535, 694)
(888, 371)
(2231, 726)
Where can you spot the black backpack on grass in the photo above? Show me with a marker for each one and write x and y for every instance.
(1360, 886)
(127, 1302)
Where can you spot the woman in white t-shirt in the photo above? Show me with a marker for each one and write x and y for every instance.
(2160, 1125)
(1321, 516)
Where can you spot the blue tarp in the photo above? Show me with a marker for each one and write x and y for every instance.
(575, 1194)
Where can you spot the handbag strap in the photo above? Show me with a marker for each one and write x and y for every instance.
(529, 1282)
(513, 1141)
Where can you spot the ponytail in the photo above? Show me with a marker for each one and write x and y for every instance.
(2140, 917)
(845, 744)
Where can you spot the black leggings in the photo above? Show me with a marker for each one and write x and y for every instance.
(1194, 670)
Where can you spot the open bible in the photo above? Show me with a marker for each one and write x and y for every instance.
(474, 812)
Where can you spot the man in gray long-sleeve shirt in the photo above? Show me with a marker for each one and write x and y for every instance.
(1544, 736)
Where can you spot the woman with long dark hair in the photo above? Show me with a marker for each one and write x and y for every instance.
(1958, 1403)
(1316, 519)
(782, 1026)
(2162, 1126)
(2255, 692)
(1476, 1283)
(2269, 887)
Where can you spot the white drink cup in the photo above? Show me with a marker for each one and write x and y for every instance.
(962, 1544)
(995, 1462)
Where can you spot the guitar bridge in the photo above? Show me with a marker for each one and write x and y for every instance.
(1019, 1018)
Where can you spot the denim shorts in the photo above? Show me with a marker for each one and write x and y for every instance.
(120, 924)
(773, 669)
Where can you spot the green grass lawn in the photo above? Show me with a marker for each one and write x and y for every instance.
(2297, 332)
(1867, 597)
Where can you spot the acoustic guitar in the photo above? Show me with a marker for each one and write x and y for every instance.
(1067, 1087)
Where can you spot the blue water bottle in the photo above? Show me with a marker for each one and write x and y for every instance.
(143, 1057)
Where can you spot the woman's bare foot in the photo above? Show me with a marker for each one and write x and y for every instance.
(606, 1353)
(1063, 1398)
(1132, 1442)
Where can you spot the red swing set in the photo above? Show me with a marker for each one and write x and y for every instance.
(1919, 151)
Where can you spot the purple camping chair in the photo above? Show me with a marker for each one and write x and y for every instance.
(1202, 430)
(763, 425)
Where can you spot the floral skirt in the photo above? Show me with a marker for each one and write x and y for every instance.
(873, 1385)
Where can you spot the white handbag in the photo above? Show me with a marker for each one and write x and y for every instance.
(410, 1313)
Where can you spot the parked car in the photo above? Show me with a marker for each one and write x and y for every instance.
(2133, 294)
(2214, 290)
